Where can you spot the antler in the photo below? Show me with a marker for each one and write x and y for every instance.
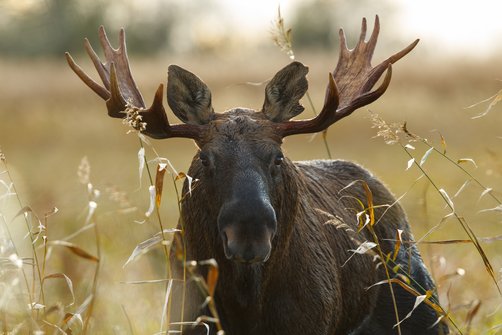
(120, 90)
(350, 85)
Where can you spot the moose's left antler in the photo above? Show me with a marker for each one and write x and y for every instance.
(350, 84)
(120, 90)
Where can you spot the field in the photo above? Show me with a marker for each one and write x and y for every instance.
(49, 122)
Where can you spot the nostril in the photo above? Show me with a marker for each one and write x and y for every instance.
(228, 253)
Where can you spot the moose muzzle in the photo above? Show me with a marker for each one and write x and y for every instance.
(247, 229)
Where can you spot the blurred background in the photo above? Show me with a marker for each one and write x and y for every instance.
(50, 123)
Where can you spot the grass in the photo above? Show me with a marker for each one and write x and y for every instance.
(45, 137)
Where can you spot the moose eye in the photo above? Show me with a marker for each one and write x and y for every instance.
(279, 159)
(204, 159)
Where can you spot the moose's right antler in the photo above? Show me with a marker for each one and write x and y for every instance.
(350, 84)
(120, 90)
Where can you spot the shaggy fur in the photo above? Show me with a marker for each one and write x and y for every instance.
(307, 286)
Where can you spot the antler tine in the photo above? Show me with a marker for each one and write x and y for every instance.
(100, 68)
(374, 35)
(362, 36)
(380, 68)
(398, 55)
(98, 89)
(122, 40)
(344, 49)
(121, 93)
(355, 78)
(105, 44)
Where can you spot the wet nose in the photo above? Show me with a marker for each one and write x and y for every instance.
(247, 229)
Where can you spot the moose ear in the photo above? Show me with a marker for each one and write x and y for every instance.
(284, 91)
(188, 96)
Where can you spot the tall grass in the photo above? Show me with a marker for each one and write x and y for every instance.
(24, 278)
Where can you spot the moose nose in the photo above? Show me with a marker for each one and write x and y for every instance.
(246, 251)
(247, 229)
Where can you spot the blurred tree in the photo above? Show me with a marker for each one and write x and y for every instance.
(55, 26)
(51, 27)
(314, 25)
(317, 22)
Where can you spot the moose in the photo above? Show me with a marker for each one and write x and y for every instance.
(284, 234)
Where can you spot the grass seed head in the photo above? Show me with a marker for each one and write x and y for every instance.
(282, 35)
(133, 117)
(390, 132)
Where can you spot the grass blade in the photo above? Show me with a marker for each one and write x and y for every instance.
(159, 182)
(75, 250)
(69, 284)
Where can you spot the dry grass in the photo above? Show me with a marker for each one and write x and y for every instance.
(49, 121)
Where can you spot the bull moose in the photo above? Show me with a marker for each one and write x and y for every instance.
(282, 232)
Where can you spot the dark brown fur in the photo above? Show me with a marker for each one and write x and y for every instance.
(303, 288)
